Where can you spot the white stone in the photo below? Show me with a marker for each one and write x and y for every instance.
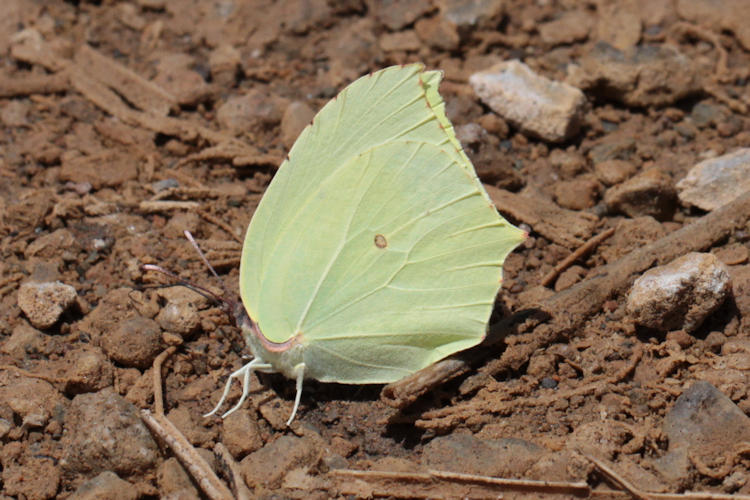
(681, 294)
(44, 303)
(545, 108)
(715, 182)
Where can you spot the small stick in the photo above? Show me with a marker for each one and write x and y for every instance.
(186, 454)
(241, 491)
(26, 373)
(584, 249)
(36, 84)
(571, 488)
(158, 394)
(165, 205)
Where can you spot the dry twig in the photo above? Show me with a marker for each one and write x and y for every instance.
(584, 249)
(445, 484)
(201, 471)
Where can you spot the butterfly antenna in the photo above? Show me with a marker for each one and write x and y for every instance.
(182, 281)
(192, 241)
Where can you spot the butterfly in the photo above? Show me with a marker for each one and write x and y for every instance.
(375, 251)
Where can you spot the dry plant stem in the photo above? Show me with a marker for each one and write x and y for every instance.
(158, 396)
(570, 309)
(635, 492)
(46, 84)
(241, 491)
(26, 373)
(167, 205)
(425, 484)
(209, 483)
(584, 249)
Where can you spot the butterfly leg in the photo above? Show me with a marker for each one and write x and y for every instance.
(245, 372)
(299, 371)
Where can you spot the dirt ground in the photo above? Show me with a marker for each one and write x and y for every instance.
(127, 122)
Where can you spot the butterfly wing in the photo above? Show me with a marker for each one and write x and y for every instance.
(373, 160)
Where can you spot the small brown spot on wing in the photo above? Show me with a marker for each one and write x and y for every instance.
(380, 241)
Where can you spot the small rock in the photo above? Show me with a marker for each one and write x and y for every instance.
(578, 194)
(705, 422)
(438, 33)
(24, 340)
(240, 433)
(619, 25)
(716, 182)
(180, 315)
(714, 341)
(60, 242)
(196, 432)
(681, 294)
(85, 368)
(38, 479)
(649, 193)
(468, 14)
(719, 15)
(472, 455)
(254, 110)
(186, 85)
(115, 306)
(32, 400)
(551, 110)
(736, 354)
(181, 222)
(352, 50)
(106, 486)
(104, 432)
(612, 172)
(174, 482)
(642, 76)
(741, 288)
(733, 254)
(470, 134)
(15, 113)
(300, 17)
(494, 125)
(602, 439)
(612, 148)
(706, 114)
(164, 184)
(541, 365)
(565, 465)
(44, 303)
(568, 163)
(297, 116)
(406, 41)
(224, 64)
(134, 343)
(270, 464)
(572, 26)
(397, 14)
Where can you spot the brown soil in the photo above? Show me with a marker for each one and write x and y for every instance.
(117, 138)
